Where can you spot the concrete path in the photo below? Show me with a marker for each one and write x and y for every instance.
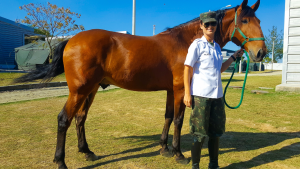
(31, 94)
(255, 74)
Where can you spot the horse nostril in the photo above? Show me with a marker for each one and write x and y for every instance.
(260, 54)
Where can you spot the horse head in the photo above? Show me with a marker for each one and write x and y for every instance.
(246, 31)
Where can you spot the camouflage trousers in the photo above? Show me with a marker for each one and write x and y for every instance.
(207, 118)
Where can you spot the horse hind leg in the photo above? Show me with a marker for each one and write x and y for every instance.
(179, 108)
(164, 151)
(80, 119)
(64, 118)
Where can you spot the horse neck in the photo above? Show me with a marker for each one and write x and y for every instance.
(227, 26)
(186, 34)
(192, 32)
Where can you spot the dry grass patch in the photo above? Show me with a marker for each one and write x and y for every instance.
(7, 78)
(124, 127)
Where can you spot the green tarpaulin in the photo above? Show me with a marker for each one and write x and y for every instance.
(30, 56)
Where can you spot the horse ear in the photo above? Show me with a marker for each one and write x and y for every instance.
(243, 5)
(256, 5)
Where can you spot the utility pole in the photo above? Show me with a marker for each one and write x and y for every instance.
(133, 18)
(273, 38)
(240, 66)
(153, 30)
(259, 66)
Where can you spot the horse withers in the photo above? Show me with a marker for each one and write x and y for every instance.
(99, 58)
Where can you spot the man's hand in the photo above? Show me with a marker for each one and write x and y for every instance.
(239, 53)
(187, 100)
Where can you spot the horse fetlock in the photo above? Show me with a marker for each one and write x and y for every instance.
(83, 148)
(177, 152)
(163, 143)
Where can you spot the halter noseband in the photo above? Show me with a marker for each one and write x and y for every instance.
(244, 36)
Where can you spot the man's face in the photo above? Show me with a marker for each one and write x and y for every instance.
(209, 28)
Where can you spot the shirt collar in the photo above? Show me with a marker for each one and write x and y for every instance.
(205, 40)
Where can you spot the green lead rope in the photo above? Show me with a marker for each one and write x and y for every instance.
(238, 59)
(243, 89)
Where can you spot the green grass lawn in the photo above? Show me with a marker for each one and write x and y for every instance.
(7, 78)
(124, 127)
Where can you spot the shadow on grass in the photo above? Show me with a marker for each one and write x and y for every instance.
(253, 141)
(127, 157)
(268, 157)
(232, 80)
(235, 141)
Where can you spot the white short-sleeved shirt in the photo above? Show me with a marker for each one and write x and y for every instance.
(206, 61)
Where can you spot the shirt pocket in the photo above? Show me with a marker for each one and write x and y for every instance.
(206, 61)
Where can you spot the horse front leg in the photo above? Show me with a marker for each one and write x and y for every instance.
(179, 108)
(80, 119)
(169, 115)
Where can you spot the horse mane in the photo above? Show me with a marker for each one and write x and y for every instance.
(220, 15)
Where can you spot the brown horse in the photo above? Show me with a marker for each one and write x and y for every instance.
(99, 58)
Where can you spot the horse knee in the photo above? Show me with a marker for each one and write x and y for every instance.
(178, 122)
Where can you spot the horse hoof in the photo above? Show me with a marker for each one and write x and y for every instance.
(60, 165)
(166, 153)
(91, 157)
(182, 160)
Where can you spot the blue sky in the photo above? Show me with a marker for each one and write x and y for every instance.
(117, 15)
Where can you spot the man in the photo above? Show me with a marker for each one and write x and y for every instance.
(204, 93)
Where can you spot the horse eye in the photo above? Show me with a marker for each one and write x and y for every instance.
(245, 21)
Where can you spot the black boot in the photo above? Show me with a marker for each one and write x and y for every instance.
(196, 153)
(213, 149)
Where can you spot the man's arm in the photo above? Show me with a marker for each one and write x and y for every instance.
(187, 76)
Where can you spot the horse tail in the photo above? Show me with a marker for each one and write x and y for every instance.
(49, 71)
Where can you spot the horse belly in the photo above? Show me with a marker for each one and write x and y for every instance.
(146, 80)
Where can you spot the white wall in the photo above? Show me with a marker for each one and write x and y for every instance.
(291, 47)
(276, 66)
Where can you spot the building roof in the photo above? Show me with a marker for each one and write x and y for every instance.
(16, 24)
(228, 50)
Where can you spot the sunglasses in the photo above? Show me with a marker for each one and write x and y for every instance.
(207, 24)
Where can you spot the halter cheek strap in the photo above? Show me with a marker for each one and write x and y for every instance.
(244, 36)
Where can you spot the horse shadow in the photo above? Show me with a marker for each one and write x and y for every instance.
(231, 141)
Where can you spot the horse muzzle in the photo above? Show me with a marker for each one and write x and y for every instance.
(258, 57)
